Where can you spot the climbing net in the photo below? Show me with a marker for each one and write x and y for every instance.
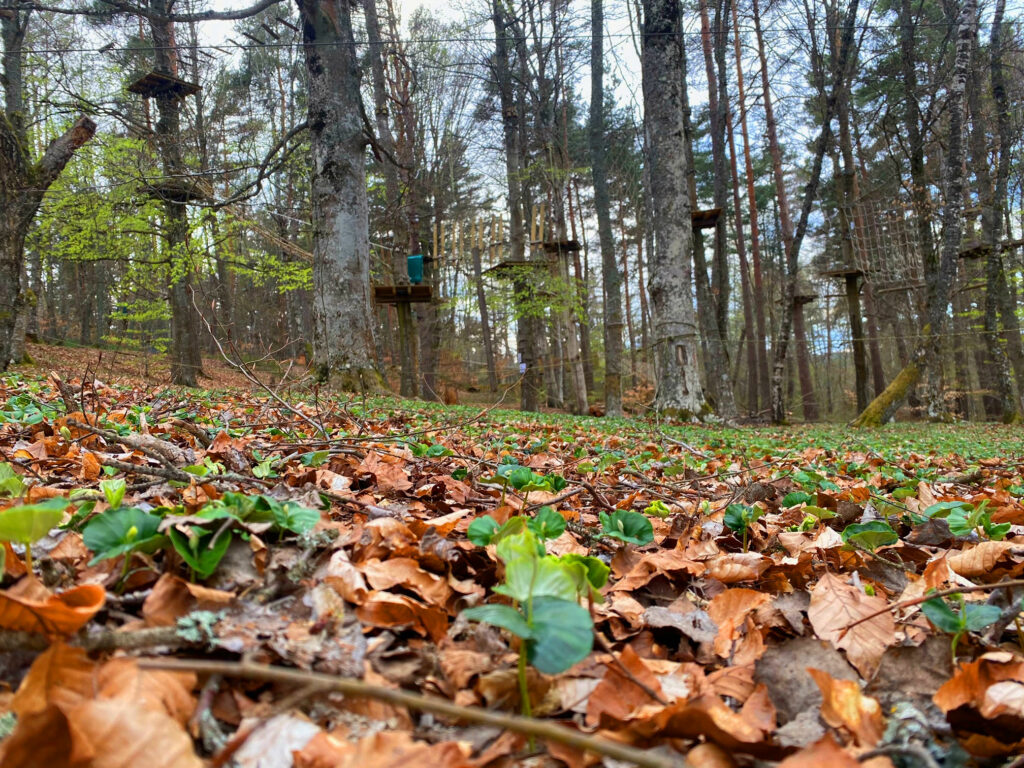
(886, 246)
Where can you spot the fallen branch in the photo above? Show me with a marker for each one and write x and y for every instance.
(352, 687)
(163, 451)
(107, 640)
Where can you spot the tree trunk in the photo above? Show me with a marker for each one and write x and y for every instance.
(748, 345)
(763, 379)
(342, 328)
(392, 191)
(713, 296)
(678, 389)
(716, 358)
(511, 110)
(993, 201)
(186, 356)
(611, 280)
(23, 184)
(485, 322)
(803, 364)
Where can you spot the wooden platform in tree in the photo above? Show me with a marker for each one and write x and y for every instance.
(975, 249)
(841, 270)
(562, 246)
(180, 189)
(504, 268)
(705, 219)
(160, 83)
(805, 298)
(402, 294)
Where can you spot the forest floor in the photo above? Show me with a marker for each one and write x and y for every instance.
(222, 577)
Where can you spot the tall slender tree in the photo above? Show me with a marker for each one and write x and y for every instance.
(611, 281)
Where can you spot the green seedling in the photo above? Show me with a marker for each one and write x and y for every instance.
(795, 498)
(113, 492)
(315, 458)
(201, 549)
(27, 524)
(971, 617)
(628, 526)
(122, 531)
(965, 520)
(11, 483)
(739, 518)
(657, 508)
(545, 613)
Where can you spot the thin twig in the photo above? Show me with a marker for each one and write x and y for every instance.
(930, 595)
(352, 687)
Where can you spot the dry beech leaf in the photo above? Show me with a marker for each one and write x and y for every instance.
(62, 674)
(835, 605)
(971, 681)
(59, 615)
(173, 597)
(729, 611)
(384, 609)
(980, 559)
(91, 467)
(738, 566)
(1005, 698)
(391, 477)
(406, 572)
(618, 698)
(843, 705)
(709, 756)
(387, 749)
(117, 733)
(76, 713)
(345, 579)
(822, 754)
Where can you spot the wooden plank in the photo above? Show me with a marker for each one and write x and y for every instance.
(402, 294)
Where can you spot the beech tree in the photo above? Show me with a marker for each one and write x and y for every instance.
(342, 328)
(678, 388)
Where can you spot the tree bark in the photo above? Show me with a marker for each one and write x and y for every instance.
(678, 390)
(808, 400)
(611, 280)
(342, 329)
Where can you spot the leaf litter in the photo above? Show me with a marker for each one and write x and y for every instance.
(312, 569)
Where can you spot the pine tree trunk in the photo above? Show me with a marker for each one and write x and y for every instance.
(762, 377)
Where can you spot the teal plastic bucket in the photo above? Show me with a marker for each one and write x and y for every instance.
(416, 268)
